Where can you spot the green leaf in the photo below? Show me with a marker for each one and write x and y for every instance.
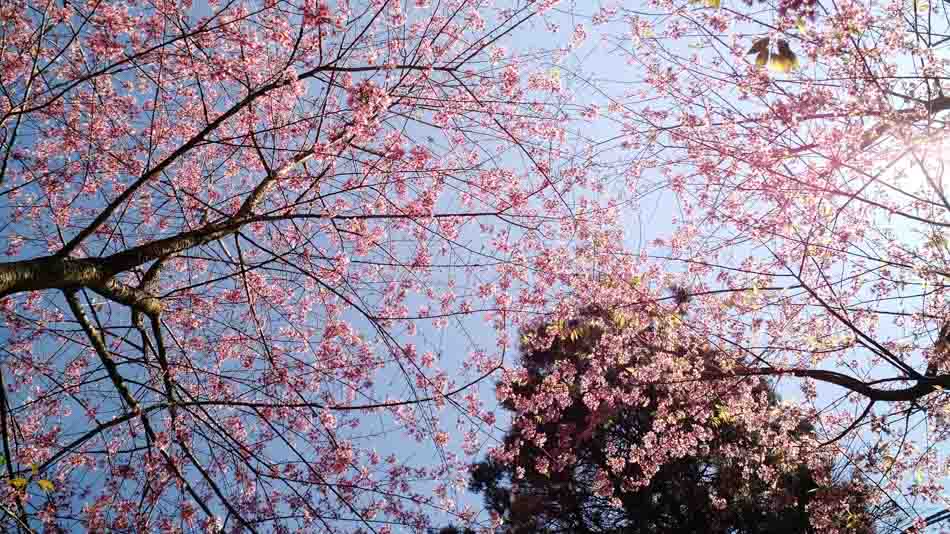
(46, 485)
(800, 23)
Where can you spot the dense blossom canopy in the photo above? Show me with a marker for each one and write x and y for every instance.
(707, 489)
(261, 256)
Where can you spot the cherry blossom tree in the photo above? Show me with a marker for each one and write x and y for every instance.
(236, 235)
(801, 148)
(252, 245)
(707, 490)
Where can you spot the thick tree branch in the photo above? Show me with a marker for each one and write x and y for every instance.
(922, 387)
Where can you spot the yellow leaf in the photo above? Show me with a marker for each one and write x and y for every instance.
(46, 485)
(715, 4)
(852, 521)
(722, 416)
(35, 469)
(18, 483)
(801, 25)
(620, 319)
